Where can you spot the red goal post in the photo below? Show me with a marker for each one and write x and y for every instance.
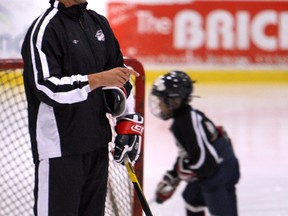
(14, 121)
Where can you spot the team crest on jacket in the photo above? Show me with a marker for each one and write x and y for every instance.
(75, 41)
(100, 35)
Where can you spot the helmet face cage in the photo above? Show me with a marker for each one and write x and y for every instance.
(171, 86)
(159, 107)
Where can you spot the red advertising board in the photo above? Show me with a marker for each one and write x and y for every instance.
(203, 32)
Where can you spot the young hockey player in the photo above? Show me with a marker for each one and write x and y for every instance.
(206, 160)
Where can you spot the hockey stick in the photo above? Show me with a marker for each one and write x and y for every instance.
(137, 186)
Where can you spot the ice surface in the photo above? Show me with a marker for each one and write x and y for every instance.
(256, 117)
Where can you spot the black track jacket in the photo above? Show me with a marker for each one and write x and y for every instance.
(61, 47)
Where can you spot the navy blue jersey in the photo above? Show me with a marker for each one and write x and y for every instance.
(197, 136)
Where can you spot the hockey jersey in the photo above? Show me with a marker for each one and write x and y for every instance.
(198, 139)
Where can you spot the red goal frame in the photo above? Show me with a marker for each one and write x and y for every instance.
(12, 64)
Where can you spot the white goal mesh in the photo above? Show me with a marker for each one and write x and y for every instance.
(16, 165)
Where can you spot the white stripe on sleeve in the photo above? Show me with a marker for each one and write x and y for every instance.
(69, 97)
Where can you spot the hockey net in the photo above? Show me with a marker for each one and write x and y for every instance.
(17, 169)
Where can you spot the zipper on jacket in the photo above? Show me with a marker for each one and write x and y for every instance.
(80, 21)
(81, 24)
(86, 31)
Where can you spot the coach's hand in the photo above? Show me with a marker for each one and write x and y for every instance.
(114, 77)
(128, 140)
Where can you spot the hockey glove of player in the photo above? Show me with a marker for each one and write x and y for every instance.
(167, 186)
(128, 140)
(183, 169)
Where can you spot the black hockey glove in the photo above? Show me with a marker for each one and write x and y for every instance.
(183, 169)
(115, 100)
(167, 186)
(128, 140)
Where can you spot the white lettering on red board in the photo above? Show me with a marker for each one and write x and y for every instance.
(220, 29)
(148, 24)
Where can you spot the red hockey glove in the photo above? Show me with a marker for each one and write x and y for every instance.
(128, 140)
(166, 187)
(184, 171)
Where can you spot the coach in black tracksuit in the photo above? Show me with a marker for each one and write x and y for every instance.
(69, 53)
(206, 159)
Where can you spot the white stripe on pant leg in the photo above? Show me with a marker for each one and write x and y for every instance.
(195, 208)
(43, 188)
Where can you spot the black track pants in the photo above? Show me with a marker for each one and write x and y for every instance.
(72, 185)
